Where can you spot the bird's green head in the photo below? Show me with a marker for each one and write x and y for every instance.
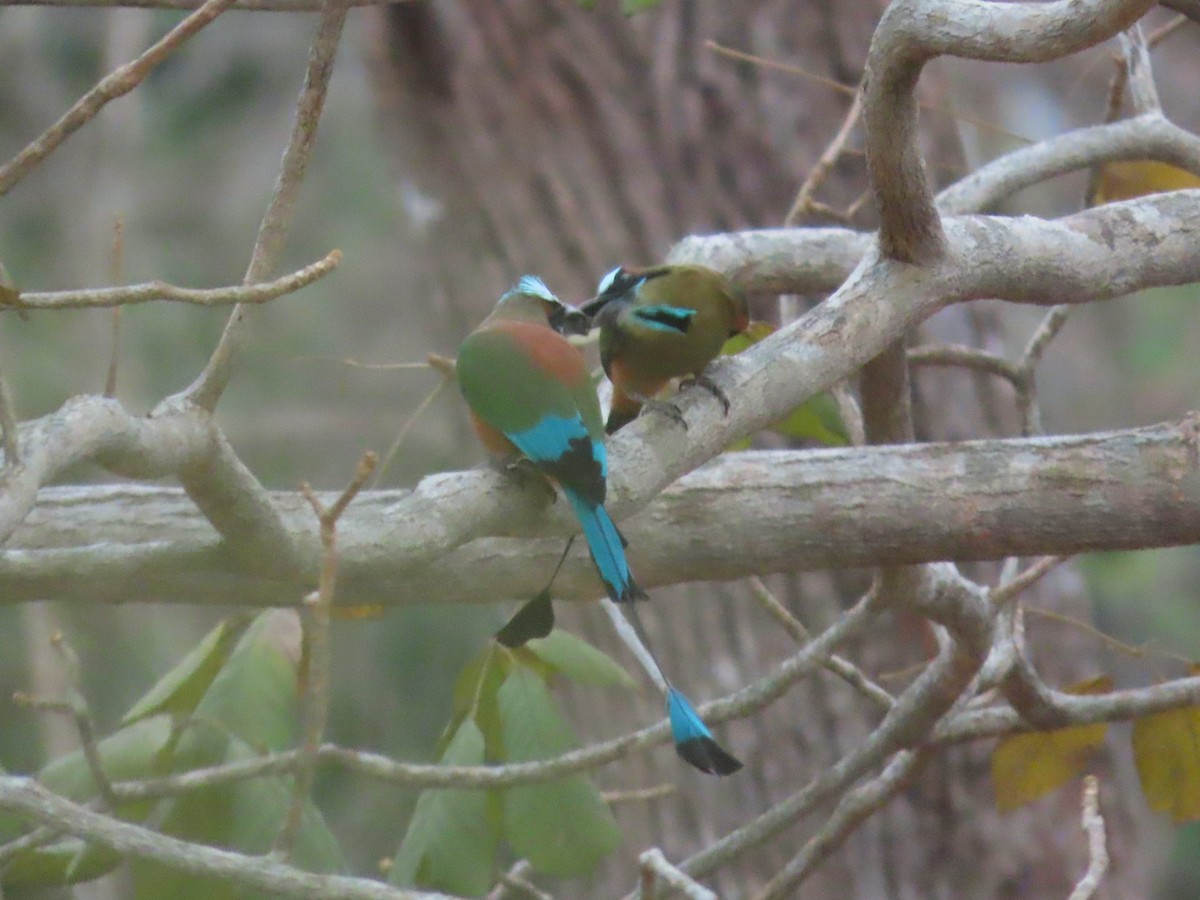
(619, 284)
(531, 300)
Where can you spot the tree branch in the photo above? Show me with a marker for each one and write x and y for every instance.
(913, 32)
(159, 290)
(206, 390)
(30, 800)
(287, 6)
(747, 513)
(116, 84)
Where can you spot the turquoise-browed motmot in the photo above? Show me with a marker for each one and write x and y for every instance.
(661, 323)
(529, 391)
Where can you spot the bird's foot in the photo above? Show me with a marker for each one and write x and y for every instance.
(528, 474)
(665, 408)
(709, 385)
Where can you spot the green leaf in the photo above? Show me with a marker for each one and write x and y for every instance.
(65, 861)
(140, 750)
(580, 661)
(254, 694)
(816, 419)
(244, 816)
(451, 840)
(632, 7)
(475, 694)
(246, 690)
(563, 827)
(136, 751)
(181, 688)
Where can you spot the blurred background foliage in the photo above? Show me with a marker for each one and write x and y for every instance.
(188, 163)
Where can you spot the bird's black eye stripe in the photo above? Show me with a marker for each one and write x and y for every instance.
(622, 282)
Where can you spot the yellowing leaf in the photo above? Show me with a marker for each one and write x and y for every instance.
(1166, 748)
(1026, 766)
(754, 333)
(1126, 180)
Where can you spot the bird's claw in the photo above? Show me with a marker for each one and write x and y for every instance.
(666, 408)
(709, 385)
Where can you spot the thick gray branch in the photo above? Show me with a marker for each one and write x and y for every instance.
(743, 514)
(1145, 137)
(913, 32)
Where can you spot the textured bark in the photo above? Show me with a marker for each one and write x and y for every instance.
(531, 135)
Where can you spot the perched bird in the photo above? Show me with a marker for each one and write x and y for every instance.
(529, 391)
(661, 323)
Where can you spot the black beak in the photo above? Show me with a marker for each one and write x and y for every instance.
(569, 320)
(597, 303)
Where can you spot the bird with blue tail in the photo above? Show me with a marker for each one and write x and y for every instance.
(660, 323)
(529, 392)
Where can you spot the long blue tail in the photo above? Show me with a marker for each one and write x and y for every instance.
(693, 741)
(607, 548)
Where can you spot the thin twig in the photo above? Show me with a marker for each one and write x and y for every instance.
(1092, 823)
(965, 357)
(850, 412)
(921, 705)
(206, 390)
(843, 668)
(640, 795)
(1161, 34)
(1137, 651)
(8, 424)
(359, 364)
(116, 84)
(655, 868)
(504, 886)
(39, 837)
(1143, 93)
(1011, 587)
(316, 620)
(743, 702)
(831, 154)
(75, 705)
(1026, 382)
(741, 56)
(82, 716)
(854, 808)
(407, 427)
(118, 275)
(1047, 330)
(519, 886)
(286, 6)
(260, 292)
